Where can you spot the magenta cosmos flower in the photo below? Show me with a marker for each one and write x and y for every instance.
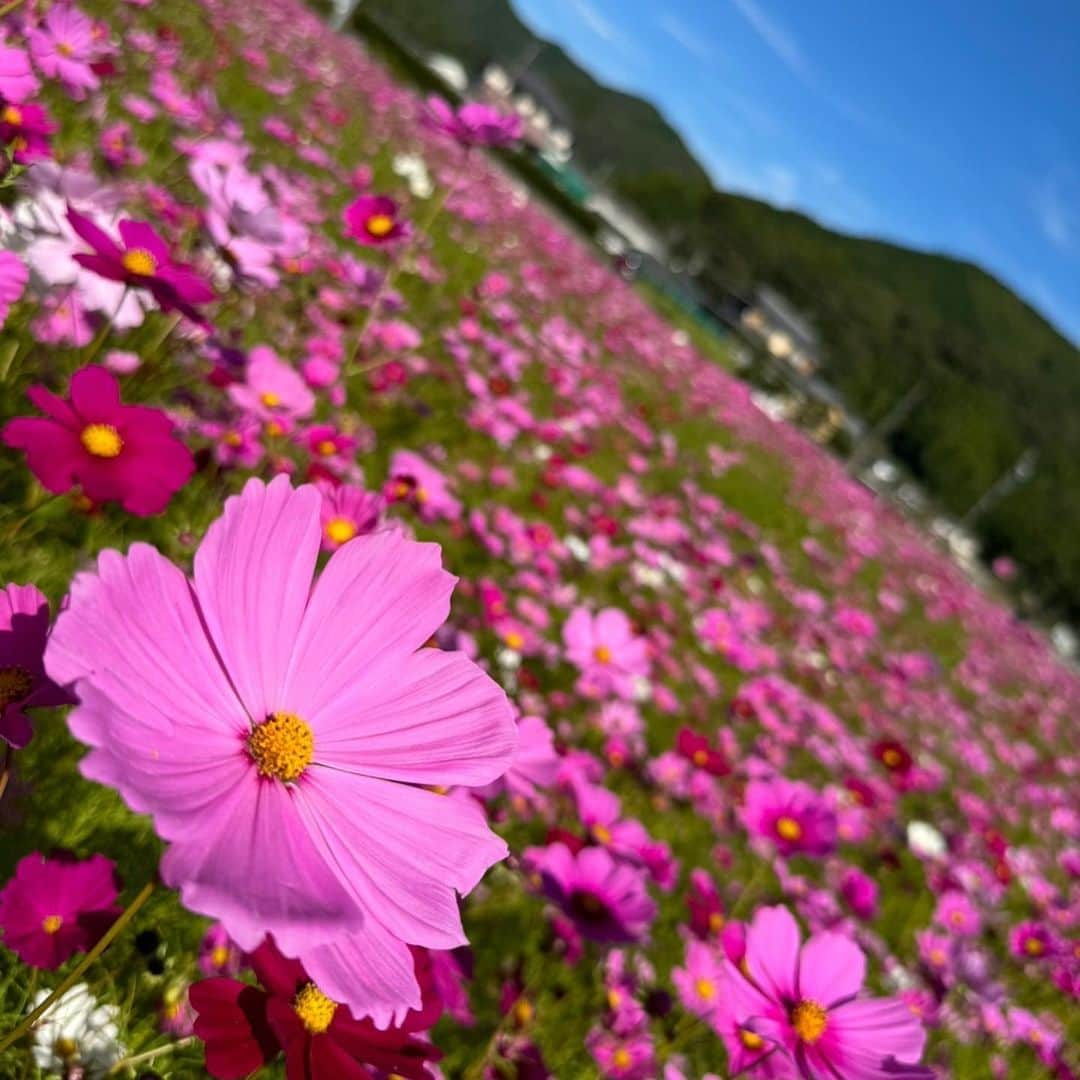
(54, 908)
(606, 900)
(374, 221)
(348, 511)
(802, 1000)
(27, 130)
(792, 815)
(24, 630)
(473, 124)
(282, 735)
(17, 79)
(115, 452)
(141, 261)
(605, 648)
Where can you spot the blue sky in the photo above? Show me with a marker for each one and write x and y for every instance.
(947, 125)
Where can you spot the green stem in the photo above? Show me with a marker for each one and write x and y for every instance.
(107, 939)
(9, 7)
(150, 1055)
(15, 529)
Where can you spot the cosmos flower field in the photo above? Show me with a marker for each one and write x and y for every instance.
(420, 658)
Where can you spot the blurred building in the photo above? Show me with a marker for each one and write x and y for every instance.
(786, 334)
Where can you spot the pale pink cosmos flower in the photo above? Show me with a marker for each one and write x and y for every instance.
(17, 79)
(801, 1001)
(282, 734)
(63, 47)
(271, 388)
(604, 647)
(13, 278)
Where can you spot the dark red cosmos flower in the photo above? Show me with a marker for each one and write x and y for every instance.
(696, 749)
(244, 1026)
(143, 262)
(893, 755)
(124, 453)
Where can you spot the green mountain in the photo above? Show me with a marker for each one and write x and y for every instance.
(997, 379)
(618, 133)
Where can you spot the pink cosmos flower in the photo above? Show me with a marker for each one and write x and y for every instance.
(54, 908)
(1032, 941)
(141, 261)
(271, 389)
(281, 735)
(347, 511)
(606, 650)
(414, 480)
(17, 79)
(24, 630)
(536, 764)
(958, 914)
(702, 981)
(13, 278)
(802, 1000)
(606, 900)
(790, 814)
(63, 46)
(473, 124)
(374, 221)
(114, 452)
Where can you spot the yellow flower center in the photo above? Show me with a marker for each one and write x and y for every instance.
(1034, 947)
(219, 956)
(514, 640)
(750, 1039)
(12, 115)
(523, 1011)
(270, 399)
(891, 758)
(809, 1020)
(787, 828)
(51, 923)
(602, 654)
(15, 684)
(140, 262)
(327, 447)
(340, 530)
(102, 440)
(314, 1008)
(621, 1059)
(421, 495)
(701, 757)
(65, 1047)
(379, 224)
(705, 989)
(602, 834)
(282, 746)
(64, 49)
(233, 438)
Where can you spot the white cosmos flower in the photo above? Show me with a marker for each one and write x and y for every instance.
(77, 1033)
(924, 839)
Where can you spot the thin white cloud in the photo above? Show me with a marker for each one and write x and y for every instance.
(601, 26)
(778, 38)
(683, 35)
(1054, 210)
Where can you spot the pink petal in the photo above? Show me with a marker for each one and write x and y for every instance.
(402, 850)
(772, 952)
(831, 969)
(253, 574)
(369, 970)
(434, 718)
(864, 1035)
(132, 630)
(250, 860)
(94, 393)
(379, 599)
